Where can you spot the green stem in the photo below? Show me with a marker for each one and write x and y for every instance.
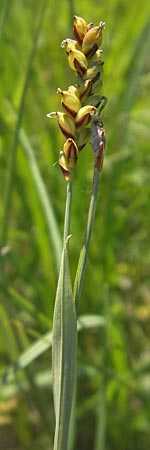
(68, 210)
(84, 251)
(100, 438)
(101, 426)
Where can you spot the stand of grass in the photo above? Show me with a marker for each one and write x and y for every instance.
(11, 169)
(121, 228)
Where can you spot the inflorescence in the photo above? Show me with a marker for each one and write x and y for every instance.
(80, 101)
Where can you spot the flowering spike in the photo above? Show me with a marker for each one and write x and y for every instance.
(96, 58)
(73, 90)
(66, 124)
(77, 61)
(79, 28)
(93, 72)
(85, 89)
(84, 138)
(71, 152)
(52, 115)
(64, 166)
(80, 101)
(89, 26)
(69, 44)
(84, 116)
(92, 40)
(70, 102)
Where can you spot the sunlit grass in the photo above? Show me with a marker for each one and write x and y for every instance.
(117, 274)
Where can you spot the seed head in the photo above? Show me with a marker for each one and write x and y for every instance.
(80, 101)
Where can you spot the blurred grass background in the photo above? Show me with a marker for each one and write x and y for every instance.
(113, 389)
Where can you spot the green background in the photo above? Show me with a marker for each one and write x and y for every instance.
(112, 409)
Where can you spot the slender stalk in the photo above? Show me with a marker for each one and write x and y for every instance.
(68, 210)
(101, 426)
(100, 438)
(84, 251)
(64, 341)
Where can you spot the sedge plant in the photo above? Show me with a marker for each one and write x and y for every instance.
(80, 122)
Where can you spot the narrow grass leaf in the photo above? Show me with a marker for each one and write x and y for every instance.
(63, 352)
(7, 334)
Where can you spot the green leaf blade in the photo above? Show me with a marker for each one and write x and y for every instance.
(63, 352)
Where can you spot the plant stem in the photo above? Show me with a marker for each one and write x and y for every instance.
(101, 426)
(64, 341)
(101, 419)
(68, 210)
(84, 251)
